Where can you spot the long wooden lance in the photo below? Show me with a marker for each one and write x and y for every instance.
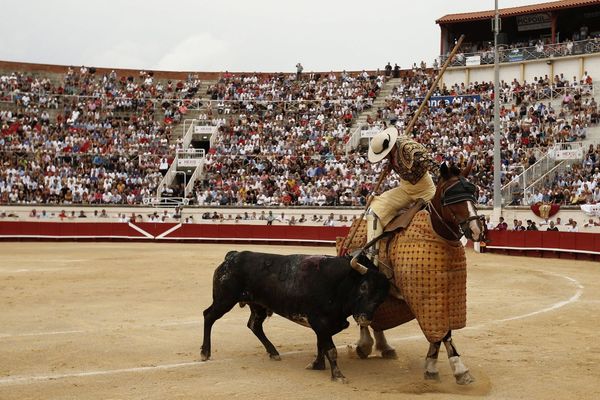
(348, 240)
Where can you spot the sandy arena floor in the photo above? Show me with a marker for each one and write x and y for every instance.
(123, 321)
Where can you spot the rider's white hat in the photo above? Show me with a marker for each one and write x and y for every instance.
(382, 143)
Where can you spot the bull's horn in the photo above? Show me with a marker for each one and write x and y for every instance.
(361, 269)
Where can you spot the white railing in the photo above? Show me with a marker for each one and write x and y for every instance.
(543, 171)
(567, 151)
(508, 55)
(545, 180)
(198, 172)
(188, 130)
(187, 158)
(165, 201)
(190, 153)
(354, 140)
(169, 176)
(552, 92)
(193, 127)
(516, 187)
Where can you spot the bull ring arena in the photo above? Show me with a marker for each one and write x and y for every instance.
(122, 190)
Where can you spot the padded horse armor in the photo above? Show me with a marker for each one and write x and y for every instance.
(430, 274)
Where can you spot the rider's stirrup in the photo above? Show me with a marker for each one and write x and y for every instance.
(374, 229)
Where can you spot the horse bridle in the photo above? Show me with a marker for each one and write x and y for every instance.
(459, 191)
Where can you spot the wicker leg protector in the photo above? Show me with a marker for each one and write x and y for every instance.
(431, 274)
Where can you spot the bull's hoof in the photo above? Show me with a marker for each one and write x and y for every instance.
(432, 376)
(389, 354)
(317, 366)
(275, 357)
(204, 357)
(464, 378)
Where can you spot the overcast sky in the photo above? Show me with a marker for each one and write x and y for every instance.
(242, 35)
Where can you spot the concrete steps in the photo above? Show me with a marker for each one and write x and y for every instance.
(378, 103)
(177, 131)
(593, 135)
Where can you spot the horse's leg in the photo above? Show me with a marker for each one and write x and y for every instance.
(460, 371)
(255, 323)
(364, 346)
(431, 371)
(382, 345)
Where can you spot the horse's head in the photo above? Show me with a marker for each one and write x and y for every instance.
(454, 202)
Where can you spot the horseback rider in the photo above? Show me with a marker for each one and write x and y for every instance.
(412, 162)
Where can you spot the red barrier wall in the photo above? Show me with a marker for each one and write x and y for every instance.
(537, 243)
(68, 230)
(258, 232)
(10, 230)
(545, 244)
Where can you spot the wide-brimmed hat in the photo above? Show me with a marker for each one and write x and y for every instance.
(382, 143)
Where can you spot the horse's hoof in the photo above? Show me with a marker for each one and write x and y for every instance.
(361, 353)
(340, 379)
(464, 378)
(275, 357)
(432, 376)
(389, 354)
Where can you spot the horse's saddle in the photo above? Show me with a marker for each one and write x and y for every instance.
(401, 221)
(404, 217)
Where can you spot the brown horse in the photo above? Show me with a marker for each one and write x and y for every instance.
(429, 267)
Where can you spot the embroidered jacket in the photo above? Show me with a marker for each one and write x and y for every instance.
(414, 160)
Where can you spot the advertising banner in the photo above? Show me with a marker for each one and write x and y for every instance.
(204, 129)
(188, 162)
(473, 60)
(436, 101)
(533, 22)
(576, 154)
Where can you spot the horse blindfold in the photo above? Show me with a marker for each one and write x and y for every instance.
(462, 190)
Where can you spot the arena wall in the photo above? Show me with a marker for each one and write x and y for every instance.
(219, 232)
(572, 245)
(21, 213)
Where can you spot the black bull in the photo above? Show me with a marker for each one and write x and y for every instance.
(320, 292)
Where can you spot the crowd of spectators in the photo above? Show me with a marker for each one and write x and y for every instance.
(86, 137)
(535, 47)
(103, 139)
(284, 140)
(546, 225)
(578, 184)
(530, 124)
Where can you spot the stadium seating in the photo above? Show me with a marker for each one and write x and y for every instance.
(91, 138)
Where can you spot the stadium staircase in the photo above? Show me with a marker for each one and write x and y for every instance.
(188, 164)
(360, 122)
(379, 102)
(542, 173)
